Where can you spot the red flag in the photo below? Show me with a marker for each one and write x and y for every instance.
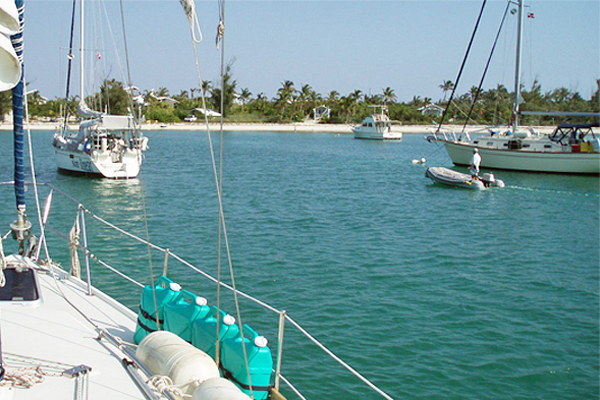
(99, 56)
(530, 15)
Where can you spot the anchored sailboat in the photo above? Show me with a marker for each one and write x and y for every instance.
(570, 149)
(111, 146)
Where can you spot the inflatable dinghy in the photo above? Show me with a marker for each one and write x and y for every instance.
(450, 177)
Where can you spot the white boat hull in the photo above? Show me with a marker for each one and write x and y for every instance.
(525, 160)
(110, 146)
(358, 134)
(101, 163)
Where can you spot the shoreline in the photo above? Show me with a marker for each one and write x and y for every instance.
(283, 128)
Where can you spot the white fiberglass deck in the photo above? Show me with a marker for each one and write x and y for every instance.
(55, 335)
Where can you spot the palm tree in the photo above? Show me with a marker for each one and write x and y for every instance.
(228, 85)
(285, 95)
(446, 86)
(206, 87)
(304, 96)
(333, 97)
(346, 104)
(245, 95)
(388, 95)
(354, 99)
(357, 95)
(113, 96)
(162, 92)
(260, 101)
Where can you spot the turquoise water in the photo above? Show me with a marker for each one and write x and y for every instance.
(430, 292)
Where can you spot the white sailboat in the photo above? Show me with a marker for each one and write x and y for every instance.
(570, 149)
(111, 146)
(64, 339)
(377, 126)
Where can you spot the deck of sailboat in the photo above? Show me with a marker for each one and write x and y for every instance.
(55, 334)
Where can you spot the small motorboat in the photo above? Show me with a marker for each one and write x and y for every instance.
(377, 126)
(450, 177)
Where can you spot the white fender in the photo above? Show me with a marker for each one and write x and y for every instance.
(218, 389)
(165, 353)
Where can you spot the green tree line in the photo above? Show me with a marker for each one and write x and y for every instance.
(292, 104)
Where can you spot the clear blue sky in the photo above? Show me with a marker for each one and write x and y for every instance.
(410, 46)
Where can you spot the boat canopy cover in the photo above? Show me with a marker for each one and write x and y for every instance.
(118, 122)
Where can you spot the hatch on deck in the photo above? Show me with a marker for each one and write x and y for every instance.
(21, 286)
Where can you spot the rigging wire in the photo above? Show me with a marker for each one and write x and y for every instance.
(221, 39)
(486, 67)
(463, 65)
(129, 90)
(223, 241)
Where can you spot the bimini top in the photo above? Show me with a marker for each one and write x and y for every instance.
(579, 126)
(573, 132)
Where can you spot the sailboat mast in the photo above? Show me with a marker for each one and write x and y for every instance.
(518, 66)
(81, 34)
(21, 228)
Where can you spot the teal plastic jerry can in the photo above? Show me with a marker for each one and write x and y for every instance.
(260, 363)
(166, 292)
(180, 313)
(204, 330)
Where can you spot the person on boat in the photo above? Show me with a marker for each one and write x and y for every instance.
(475, 162)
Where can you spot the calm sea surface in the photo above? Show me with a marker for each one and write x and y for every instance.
(430, 292)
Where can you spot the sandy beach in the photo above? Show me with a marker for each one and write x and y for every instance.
(295, 127)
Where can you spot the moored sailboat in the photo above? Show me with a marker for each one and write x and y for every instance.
(111, 146)
(521, 148)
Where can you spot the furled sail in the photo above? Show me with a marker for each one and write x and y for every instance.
(10, 67)
(86, 112)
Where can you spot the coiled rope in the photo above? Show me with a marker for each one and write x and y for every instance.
(73, 245)
(162, 384)
(29, 371)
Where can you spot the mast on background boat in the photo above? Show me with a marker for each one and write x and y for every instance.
(518, 98)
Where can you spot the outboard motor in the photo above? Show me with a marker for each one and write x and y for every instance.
(488, 177)
(490, 180)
